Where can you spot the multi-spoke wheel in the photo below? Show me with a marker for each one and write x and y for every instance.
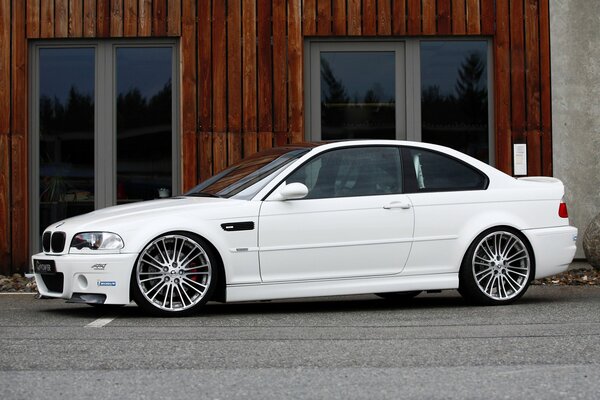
(174, 275)
(497, 268)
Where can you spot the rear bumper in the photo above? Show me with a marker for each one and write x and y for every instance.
(554, 249)
(82, 276)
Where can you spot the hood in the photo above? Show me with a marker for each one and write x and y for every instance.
(111, 218)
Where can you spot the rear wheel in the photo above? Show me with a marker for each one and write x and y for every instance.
(497, 268)
(174, 275)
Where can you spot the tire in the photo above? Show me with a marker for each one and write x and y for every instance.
(399, 296)
(497, 268)
(174, 275)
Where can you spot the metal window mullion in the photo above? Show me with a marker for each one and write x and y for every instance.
(400, 89)
(98, 127)
(110, 141)
(413, 91)
(34, 146)
(490, 92)
(315, 91)
(176, 132)
(104, 132)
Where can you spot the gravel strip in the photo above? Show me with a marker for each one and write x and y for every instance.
(580, 274)
(17, 283)
(573, 277)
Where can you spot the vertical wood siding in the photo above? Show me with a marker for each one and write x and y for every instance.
(5, 136)
(242, 73)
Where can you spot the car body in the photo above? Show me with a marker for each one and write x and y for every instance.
(371, 216)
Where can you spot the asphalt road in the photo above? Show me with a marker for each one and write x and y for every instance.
(361, 347)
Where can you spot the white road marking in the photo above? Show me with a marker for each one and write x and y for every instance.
(100, 322)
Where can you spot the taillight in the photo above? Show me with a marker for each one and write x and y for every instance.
(562, 210)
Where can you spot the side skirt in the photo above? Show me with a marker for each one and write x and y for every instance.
(288, 290)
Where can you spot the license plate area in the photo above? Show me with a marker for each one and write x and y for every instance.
(44, 266)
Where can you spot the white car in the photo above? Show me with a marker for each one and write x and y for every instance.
(386, 217)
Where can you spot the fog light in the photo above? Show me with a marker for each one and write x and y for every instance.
(82, 282)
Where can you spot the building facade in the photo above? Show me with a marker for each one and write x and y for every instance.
(109, 102)
(575, 47)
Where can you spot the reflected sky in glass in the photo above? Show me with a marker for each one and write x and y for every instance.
(61, 69)
(147, 69)
(361, 71)
(441, 62)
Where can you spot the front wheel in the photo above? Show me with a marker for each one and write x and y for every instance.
(174, 275)
(497, 268)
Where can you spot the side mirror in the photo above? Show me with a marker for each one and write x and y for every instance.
(293, 191)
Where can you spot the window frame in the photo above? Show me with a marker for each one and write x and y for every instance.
(409, 76)
(105, 103)
(312, 105)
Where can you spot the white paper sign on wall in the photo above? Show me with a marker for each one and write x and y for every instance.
(520, 159)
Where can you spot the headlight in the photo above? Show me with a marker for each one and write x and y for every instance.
(96, 241)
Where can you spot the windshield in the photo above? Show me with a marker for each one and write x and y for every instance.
(248, 177)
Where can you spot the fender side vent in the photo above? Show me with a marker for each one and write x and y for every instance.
(238, 226)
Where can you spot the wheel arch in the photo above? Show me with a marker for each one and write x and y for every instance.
(487, 220)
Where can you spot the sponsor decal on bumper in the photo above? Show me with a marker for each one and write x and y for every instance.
(106, 283)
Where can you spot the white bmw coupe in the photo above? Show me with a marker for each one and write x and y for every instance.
(385, 217)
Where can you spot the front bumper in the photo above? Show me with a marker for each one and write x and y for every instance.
(100, 278)
(554, 249)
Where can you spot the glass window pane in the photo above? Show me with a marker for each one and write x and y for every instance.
(437, 172)
(358, 95)
(66, 120)
(361, 171)
(144, 123)
(454, 96)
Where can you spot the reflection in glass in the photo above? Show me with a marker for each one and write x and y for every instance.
(66, 116)
(144, 123)
(357, 95)
(454, 96)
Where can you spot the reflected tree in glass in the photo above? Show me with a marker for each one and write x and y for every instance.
(357, 95)
(144, 122)
(66, 133)
(454, 96)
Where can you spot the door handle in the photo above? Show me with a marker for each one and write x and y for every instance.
(397, 204)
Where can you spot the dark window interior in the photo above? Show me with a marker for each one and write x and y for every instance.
(430, 171)
(358, 171)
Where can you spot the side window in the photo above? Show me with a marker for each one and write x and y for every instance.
(358, 171)
(432, 171)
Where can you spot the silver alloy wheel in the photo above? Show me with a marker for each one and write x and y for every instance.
(173, 273)
(501, 265)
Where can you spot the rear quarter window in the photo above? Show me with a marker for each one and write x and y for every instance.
(432, 171)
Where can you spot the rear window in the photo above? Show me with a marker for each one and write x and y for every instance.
(431, 171)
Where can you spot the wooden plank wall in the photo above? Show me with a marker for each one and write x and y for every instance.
(242, 73)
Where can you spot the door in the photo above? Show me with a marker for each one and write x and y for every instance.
(354, 222)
